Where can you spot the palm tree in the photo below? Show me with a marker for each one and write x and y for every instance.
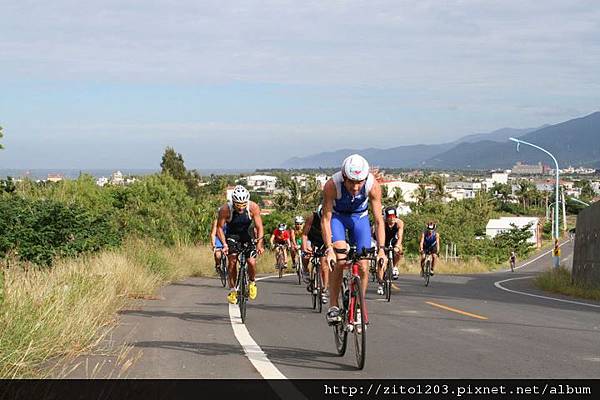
(421, 195)
(397, 197)
(439, 184)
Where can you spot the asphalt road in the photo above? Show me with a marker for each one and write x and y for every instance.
(461, 326)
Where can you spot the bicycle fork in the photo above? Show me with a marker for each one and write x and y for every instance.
(352, 305)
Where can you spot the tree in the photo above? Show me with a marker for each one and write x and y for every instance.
(587, 192)
(173, 164)
(439, 184)
(421, 195)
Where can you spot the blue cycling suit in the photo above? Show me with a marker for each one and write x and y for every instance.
(429, 242)
(351, 214)
(218, 244)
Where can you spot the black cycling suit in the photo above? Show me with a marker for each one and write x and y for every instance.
(238, 228)
(314, 234)
(391, 235)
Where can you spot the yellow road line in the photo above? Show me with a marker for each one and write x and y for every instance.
(395, 287)
(456, 310)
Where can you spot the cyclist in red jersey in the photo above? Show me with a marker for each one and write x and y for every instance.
(281, 235)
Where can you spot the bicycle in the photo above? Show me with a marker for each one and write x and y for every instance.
(298, 266)
(388, 273)
(353, 309)
(280, 257)
(512, 264)
(315, 279)
(244, 251)
(222, 269)
(426, 273)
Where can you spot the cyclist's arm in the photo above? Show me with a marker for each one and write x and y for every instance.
(292, 237)
(258, 224)
(221, 221)
(305, 231)
(421, 242)
(400, 224)
(329, 194)
(375, 198)
(438, 243)
(273, 238)
(213, 233)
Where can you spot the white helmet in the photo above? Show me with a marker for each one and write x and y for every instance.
(299, 220)
(240, 194)
(355, 168)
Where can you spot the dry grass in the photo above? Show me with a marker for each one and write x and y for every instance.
(558, 280)
(471, 266)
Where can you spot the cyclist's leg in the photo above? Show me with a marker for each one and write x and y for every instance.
(338, 233)
(232, 270)
(360, 234)
(433, 260)
(252, 269)
(423, 256)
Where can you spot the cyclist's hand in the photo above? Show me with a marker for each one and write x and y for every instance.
(225, 249)
(306, 250)
(330, 254)
(381, 257)
(260, 249)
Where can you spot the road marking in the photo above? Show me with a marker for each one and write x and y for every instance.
(395, 287)
(455, 310)
(537, 258)
(499, 286)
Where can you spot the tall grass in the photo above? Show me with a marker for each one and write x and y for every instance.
(558, 280)
(66, 310)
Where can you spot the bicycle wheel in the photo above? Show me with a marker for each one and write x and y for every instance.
(319, 289)
(299, 269)
(427, 271)
(373, 269)
(242, 299)
(360, 327)
(312, 286)
(280, 264)
(512, 266)
(223, 270)
(340, 333)
(388, 281)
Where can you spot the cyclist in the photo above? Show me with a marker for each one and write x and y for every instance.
(312, 238)
(296, 239)
(394, 231)
(239, 214)
(217, 246)
(429, 244)
(281, 236)
(346, 198)
(513, 259)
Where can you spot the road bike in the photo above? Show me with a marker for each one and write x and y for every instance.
(280, 257)
(353, 307)
(222, 269)
(427, 268)
(244, 251)
(512, 264)
(298, 265)
(315, 281)
(388, 273)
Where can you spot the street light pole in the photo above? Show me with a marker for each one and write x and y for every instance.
(518, 141)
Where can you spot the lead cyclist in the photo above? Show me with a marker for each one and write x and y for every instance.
(346, 199)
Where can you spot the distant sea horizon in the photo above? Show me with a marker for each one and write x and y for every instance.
(73, 173)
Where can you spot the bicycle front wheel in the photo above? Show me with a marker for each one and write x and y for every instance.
(223, 270)
(312, 285)
(427, 272)
(388, 281)
(242, 295)
(319, 290)
(299, 269)
(340, 333)
(360, 324)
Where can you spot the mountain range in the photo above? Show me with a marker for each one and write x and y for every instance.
(574, 142)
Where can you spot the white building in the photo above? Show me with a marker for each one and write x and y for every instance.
(321, 180)
(264, 183)
(102, 181)
(117, 178)
(408, 189)
(504, 224)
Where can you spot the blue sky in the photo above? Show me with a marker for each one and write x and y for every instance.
(248, 84)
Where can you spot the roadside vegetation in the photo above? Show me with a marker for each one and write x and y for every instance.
(558, 280)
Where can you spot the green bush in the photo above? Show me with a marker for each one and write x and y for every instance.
(41, 230)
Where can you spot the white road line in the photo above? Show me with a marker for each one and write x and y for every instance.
(499, 286)
(258, 358)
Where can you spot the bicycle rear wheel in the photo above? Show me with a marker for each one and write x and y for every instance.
(223, 270)
(312, 285)
(242, 295)
(427, 271)
(299, 268)
(360, 326)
